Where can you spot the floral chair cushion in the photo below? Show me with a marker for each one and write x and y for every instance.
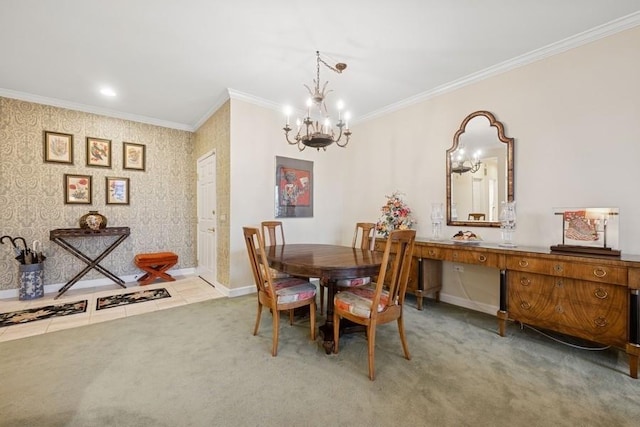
(293, 289)
(349, 283)
(358, 300)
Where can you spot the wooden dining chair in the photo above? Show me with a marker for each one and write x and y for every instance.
(375, 304)
(271, 230)
(365, 232)
(277, 294)
(475, 216)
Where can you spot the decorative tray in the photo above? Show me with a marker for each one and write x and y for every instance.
(466, 238)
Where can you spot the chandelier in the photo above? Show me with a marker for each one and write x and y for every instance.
(315, 129)
(461, 163)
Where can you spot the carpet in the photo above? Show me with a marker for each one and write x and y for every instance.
(131, 298)
(40, 313)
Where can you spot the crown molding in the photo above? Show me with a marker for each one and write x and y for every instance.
(91, 109)
(597, 33)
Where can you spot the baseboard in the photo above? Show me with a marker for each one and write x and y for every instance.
(83, 284)
(470, 304)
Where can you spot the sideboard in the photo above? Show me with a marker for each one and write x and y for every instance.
(596, 298)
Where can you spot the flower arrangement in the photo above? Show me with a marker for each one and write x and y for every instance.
(396, 215)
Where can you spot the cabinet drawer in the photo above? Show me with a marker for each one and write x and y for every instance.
(486, 259)
(586, 271)
(432, 253)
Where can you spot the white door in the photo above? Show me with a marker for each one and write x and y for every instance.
(207, 217)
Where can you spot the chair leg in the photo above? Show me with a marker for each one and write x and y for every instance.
(336, 331)
(255, 330)
(403, 339)
(312, 315)
(276, 329)
(291, 317)
(371, 335)
(321, 298)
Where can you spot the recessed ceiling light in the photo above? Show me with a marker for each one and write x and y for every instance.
(107, 91)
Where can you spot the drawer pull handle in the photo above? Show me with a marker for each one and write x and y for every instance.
(523, 263)
(525, 282)
(432, 252)
(559, 309)
(482, 258)
(455, 255)
(557, 267)
(559, 283)
(601, 293)
(599, 272)
(600, 322)
(525, 305)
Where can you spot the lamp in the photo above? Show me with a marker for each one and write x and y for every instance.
(317, 131)
(460, 163)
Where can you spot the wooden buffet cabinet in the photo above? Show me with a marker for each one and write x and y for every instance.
(596, 298)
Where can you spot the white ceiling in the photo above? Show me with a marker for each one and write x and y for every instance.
(173, 63)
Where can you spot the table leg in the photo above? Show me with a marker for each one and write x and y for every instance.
(326, 330)
(91, 263)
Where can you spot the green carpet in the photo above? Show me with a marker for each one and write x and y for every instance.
(199, 365)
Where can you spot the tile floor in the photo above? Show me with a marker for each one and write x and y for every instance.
(185, 290)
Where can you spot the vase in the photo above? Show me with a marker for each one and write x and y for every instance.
(437, 215)
(507, 223)
(93, 221)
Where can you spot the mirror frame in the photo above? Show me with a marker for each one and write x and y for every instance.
(510, 169)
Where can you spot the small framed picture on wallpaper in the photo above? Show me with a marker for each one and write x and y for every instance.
(77, 189)
(133, 156)
(98, 152)
(117, 191)
(58, 147)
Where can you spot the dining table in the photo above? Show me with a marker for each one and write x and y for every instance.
(329, 263)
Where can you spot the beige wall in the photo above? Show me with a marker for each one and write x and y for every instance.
(161, 213)
(215, 134)
(574, 117)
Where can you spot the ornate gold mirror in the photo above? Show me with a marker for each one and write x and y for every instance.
(479, 172)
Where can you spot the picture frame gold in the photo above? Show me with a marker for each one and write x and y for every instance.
(133, 156)
(58, 147)
(77, 189)
(117, 190)
(98, 152)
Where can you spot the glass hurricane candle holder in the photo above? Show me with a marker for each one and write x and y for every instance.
(437, 215)
(507, 223)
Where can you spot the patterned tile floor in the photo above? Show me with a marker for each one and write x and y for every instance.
(185, 290)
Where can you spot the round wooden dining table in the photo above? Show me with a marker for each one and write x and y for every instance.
(327, 262)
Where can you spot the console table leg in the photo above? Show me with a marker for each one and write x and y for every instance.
(502, 313)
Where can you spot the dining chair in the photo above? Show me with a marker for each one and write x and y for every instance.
(377, 303)
(269, 230)
(277, 294)
(366, 232)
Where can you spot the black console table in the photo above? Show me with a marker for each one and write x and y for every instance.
(59, 237)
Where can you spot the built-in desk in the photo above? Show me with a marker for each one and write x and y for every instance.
(596, 298)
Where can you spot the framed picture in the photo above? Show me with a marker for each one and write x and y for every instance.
(98, 152)
(58, 147)
(293, 188)
(77, 189)
(117, 191)
(133, 156)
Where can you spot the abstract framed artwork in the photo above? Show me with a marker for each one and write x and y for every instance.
(293, 188)
(77, 189)
(58, 147)
(98, 152)
(117, 191)
(133, 156)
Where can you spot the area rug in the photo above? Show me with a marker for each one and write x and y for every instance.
(40, 313)
(131, 298)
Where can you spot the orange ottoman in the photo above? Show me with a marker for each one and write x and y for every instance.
(155, 265)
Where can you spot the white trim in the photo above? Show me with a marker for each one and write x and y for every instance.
(83, 284)
(91, 109)
(235, 292)
(572, 42)
(210, 112)
(470, 304)
(261, 102)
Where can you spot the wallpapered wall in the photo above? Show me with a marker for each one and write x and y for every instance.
(215, 134)
(162, 209)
